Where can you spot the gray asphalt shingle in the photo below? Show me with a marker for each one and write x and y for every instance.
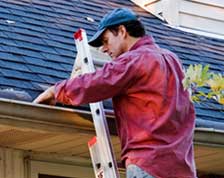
(37, 47)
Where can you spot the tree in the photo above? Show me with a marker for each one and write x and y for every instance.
(203, 84)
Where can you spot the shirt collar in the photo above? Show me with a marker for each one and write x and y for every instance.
(146, 40)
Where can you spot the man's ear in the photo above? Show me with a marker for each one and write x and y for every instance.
(123, 31)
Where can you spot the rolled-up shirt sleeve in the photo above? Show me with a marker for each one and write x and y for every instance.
(109, 81)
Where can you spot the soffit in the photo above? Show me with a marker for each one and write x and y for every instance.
(209, 159)
(48, 129)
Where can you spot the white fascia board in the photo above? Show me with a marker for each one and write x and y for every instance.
(202, 33)
(58, 119)
(153, 9)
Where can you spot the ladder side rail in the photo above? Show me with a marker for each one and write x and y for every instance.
(97, 110)
(99, 119)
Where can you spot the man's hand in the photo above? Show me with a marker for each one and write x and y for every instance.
(47, 97)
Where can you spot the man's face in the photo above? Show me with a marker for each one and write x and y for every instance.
(113, 43)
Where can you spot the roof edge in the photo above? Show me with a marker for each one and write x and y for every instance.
(43, 117)
(36, 116)
(209, 137)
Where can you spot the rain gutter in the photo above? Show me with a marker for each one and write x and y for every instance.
(43, 117)
(53, 118)
(209, 137)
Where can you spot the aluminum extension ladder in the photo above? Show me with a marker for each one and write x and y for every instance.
(100, 147)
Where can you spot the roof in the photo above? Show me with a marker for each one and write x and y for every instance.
(37, 47)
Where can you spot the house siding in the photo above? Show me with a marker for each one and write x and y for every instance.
(202, 16)
(11, 163)
(205, 16)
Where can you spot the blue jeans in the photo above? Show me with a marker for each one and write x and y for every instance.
(134, 171)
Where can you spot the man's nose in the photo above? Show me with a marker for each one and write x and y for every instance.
(103, 49)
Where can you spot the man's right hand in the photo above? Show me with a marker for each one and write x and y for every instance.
(47, 97)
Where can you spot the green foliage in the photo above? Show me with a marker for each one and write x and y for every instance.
(197, 76)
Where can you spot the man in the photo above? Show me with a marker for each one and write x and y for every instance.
(154, 116)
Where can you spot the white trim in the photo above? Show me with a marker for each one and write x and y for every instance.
(197, 32)
(209, 130)
(155, 11)
(202, 33)
(171, 11)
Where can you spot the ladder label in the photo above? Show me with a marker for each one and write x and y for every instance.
(100, 174)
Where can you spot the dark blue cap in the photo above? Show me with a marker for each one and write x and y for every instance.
(116, 17)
